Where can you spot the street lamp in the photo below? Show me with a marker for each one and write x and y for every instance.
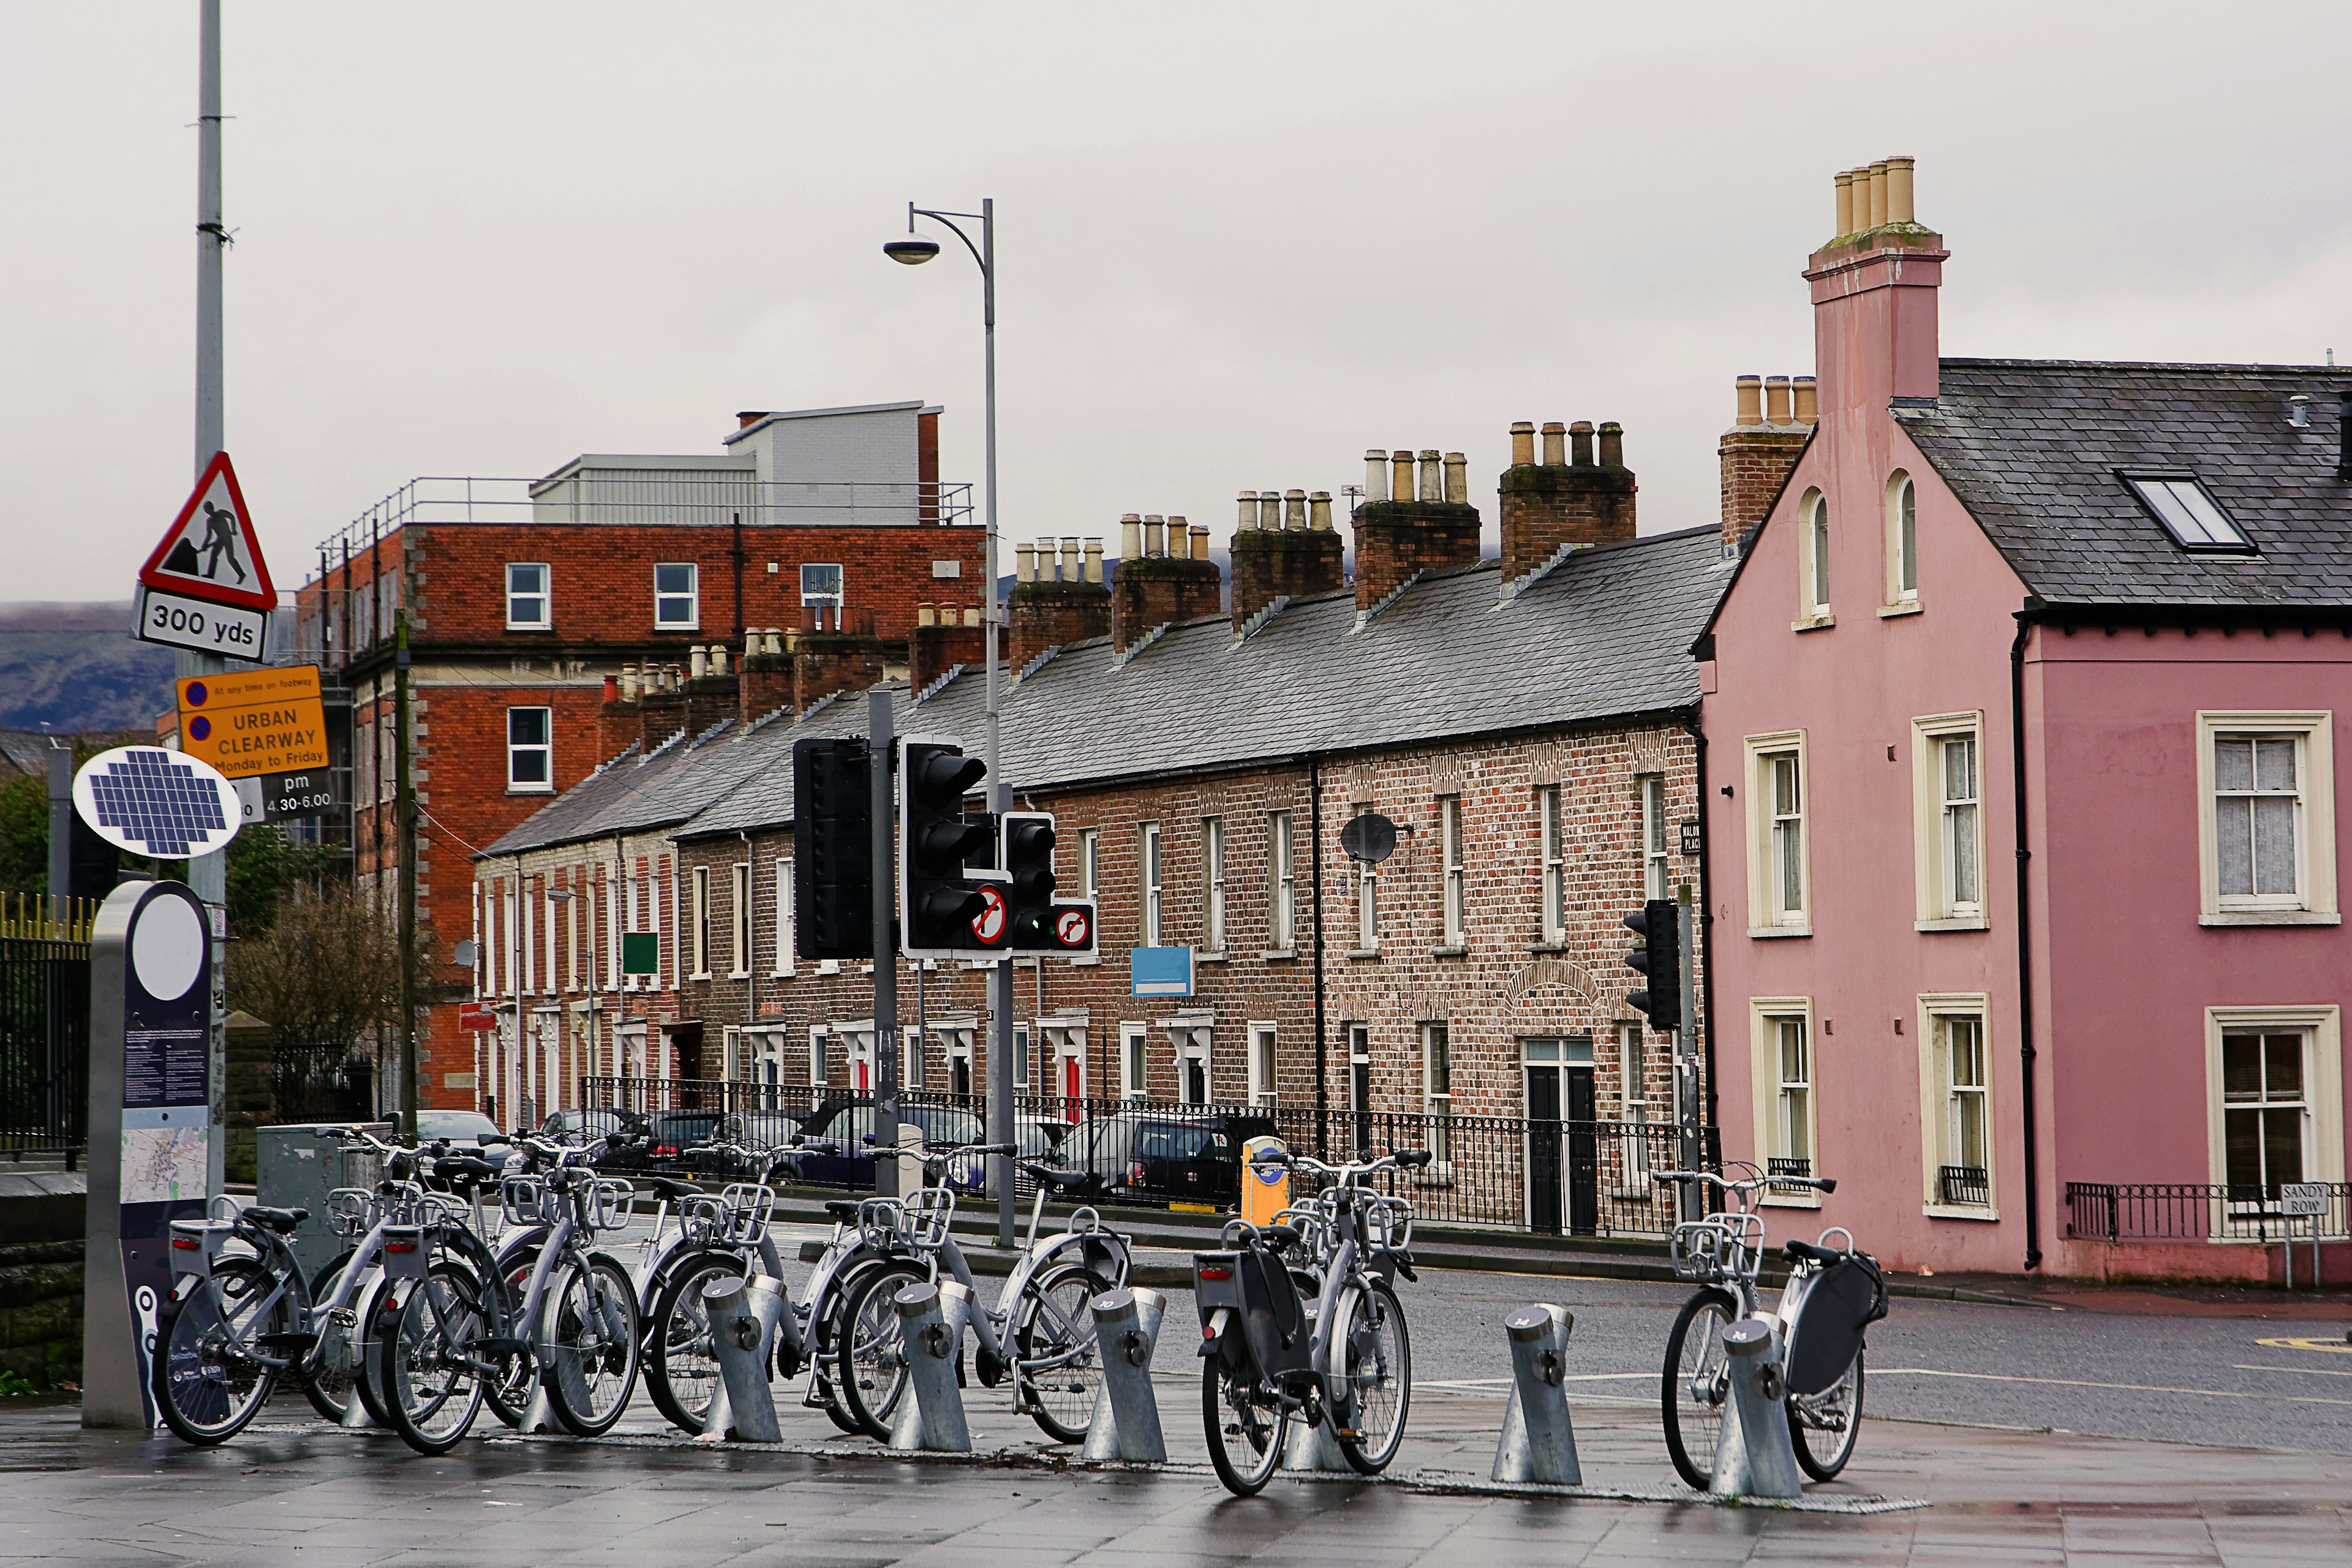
(913, 249)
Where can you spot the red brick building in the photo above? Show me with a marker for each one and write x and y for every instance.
(528, 602)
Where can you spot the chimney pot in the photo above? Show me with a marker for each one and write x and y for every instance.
(1294, 511)
(1200, 533)
(1247, 517)
(1130, 537)
(628, 683)
(972, 614)
(1809, 400)
(926, 614)
(775, 639)
(1024, 563)
(717, 658)
(1069, 558)
(1269, 509)
(1748, 394)
(1523, 443)
(1898, 189)
(1579, 440)
(612, 688)
(1776, 400)
(1457, 478)
(1555, 444)
(1155, 534)
(1432, 476)
(697, 661)
(1318, 506)
(1094, 560)
(1401, 472)
(1376, 475)
(1878, 193)
(1845, 204)
(1613, 445)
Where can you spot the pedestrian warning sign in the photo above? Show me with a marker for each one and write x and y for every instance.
(255, 722)
(210, 553)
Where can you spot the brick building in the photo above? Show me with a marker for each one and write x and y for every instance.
(529, 602)
(1532, 735)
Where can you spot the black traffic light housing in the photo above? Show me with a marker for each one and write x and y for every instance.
(832, 850)
(944, 910)
(1038, 922)
(1660, 961)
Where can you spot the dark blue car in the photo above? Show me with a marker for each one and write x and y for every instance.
(850, 1122)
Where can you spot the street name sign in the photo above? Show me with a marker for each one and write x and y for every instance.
(2299, 1200)
(254, 723)
(205, 587)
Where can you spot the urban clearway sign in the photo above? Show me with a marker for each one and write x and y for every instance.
(205, 587)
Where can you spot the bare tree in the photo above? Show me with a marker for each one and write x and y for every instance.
(326, 973)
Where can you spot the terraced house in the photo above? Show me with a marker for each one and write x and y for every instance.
(1527, 724)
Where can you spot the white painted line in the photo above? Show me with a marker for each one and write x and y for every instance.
(2119, 1388)
(2306, 1371)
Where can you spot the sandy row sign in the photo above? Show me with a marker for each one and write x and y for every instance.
(255, 722)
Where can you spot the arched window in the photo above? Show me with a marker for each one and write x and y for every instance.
(1902, 540)
(1814, 569)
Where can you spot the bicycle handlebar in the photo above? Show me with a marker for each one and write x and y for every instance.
(1746, 1185)
(1395, 1160)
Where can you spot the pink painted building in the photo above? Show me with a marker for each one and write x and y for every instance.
(2052, 633)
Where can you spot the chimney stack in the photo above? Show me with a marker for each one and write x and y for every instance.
(1417, 530)
(711, 694)
(661, 713)
(764, 680)
(617, 716)
(1874, 285)
(1559, 502)
(1757, 452)
(1293, 553)
(945, 641)
(1053, 611)
(825, 662)
(1173, 578)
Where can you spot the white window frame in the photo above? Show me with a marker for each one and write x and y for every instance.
(698, 924)
(1189, 1043)
(2323, 1089)
(543, 593)
(1764, 1016)
(1812, 556)
(692, 594)
(1633, 1104)
(1367, 899)
(1212, 886)
(1932, 826)
(1551, 820)
(1453, 936)
(1902, 544)
(740, 918)
(1151, 861)
(1134, 1060)
(1087, 840)
(2315, 902)
(785, 933)
(1657, 848)
(1264, 1082)
(1766, 918)
(1937, 1011)
(816, 1053)
(1282, 885)
(1022, 1052)
(544, 750)
(1437, 1092)
(833, 599)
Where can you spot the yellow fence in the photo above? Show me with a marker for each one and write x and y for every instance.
(38, 917)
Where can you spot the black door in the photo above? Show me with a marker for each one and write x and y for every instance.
(1544, 1184)
(1583, 1156)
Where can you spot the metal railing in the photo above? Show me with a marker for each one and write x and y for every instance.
(2197, 1211)
(44, 1044)
(1959, 1186)
(1788, 1166)
(1580, 1178)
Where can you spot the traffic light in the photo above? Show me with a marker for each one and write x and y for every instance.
(1660, 961)
(943, 909)
(1039, 923)
(832, 850)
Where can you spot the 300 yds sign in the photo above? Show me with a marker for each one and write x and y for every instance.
(179, 621)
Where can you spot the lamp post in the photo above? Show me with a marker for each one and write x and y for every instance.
(913, 249)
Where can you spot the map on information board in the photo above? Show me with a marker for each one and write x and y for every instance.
(163, 1165)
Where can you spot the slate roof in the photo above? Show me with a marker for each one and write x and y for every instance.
(2031, 447)
(1603, 635)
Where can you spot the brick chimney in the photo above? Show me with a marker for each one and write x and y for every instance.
(1874, 286)
(1558, 501)
(1283, 547)
(616, 719)
(1058, 596)
(1171, 578)
(710, 697)
(661, 704)
(1407, 524)
(1767, 434)
(943, 639)
(764, 677)
(826, 662)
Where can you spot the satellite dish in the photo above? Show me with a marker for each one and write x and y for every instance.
(1369, 838)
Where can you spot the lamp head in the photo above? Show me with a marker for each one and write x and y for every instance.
(912, 249)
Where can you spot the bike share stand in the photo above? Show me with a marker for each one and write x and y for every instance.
(1126, 1423)
(1539, 1440)
(1754, 1454)
(743, 1314)
(932, 1321)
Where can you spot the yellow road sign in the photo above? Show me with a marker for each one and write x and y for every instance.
(255, 722)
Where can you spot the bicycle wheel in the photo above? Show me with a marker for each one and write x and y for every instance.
(589, 1358)
(1245, 1427)
(823, 1336)
(1697, 1384)
(426, 1364)
(1373, 1354)
(1054, 1350)
(1826, 1424)
(509, 1393)
(870, 1353)
(205, 1389)
(681, 1369)
(326, 1373)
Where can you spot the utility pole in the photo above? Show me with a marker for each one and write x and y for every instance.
(208, 874)
(404, 803)
(1686, 1052)
(878, 747)
(61, 772)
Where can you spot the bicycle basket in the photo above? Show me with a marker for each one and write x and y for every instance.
(350, 1212)
(1836, 1305)
(1388, 1223)
(703, 1221)
(610, 1203)
(929, 1212)
(1713, 1250)
(881, 1224)
(528, 1202)
(750, 1207)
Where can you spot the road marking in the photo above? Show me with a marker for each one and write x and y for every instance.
(2119, 1388)
(1493, 1382)
(2339, 1347)
(2301, 1371)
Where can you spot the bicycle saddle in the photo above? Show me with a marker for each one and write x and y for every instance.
(1280, 1234)
(1057, 1176)
(463, 1168)
(669, 1187)
(282, 1221)
(843, 1209)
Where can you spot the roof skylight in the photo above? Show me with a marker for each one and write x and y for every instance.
(2189, 513)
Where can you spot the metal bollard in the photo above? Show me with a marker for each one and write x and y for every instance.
(1539, 1440)
(743, 1314)
(932, 1319)
(1126, 1423)
(1754, 1454)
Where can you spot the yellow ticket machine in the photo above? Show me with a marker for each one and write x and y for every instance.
(1265, 1189)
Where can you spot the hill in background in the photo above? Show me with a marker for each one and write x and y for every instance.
(75, 667)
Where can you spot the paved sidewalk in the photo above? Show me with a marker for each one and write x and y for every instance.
(293, 1491)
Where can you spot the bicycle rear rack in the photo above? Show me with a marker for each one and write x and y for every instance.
(1716, 1248)
(881, 1224)
(350, 1212)
(528, 1202)
(738, 1216)
(609, 1202)
(927, 1215)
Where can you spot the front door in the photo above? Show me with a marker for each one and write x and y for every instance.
(1583, 1155)
(1545, 1186)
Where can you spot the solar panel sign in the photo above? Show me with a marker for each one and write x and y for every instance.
(156, 803)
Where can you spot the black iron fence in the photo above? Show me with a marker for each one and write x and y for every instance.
(1578, 1178)
(2199, 1211)
(44, 1047)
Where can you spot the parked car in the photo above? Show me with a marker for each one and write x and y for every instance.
(1167, 1157)
(850, 1124)
(670, 1133)
(623, 1132)
(469, 1127)
(756, 1130)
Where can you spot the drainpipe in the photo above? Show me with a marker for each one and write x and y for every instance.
(1706, 924)
(2025, 1050)
(751, 934)
(1315, 872)
(738, 558)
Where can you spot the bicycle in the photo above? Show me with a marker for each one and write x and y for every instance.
(1268, 1363)
(1832, 1296)
(720, 1237)
(573, 1335)
(1040, 1329)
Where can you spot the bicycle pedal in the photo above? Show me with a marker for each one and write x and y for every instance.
(344, 1318)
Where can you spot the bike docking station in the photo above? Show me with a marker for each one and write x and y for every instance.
(1126, 1421)
(1539, 1440)
(1754, 1454)
(931, 1321)
(743, 1313)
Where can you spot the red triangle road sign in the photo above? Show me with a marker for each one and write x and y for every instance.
(210, 552)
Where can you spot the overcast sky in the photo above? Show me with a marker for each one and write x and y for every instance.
(1237, 244)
